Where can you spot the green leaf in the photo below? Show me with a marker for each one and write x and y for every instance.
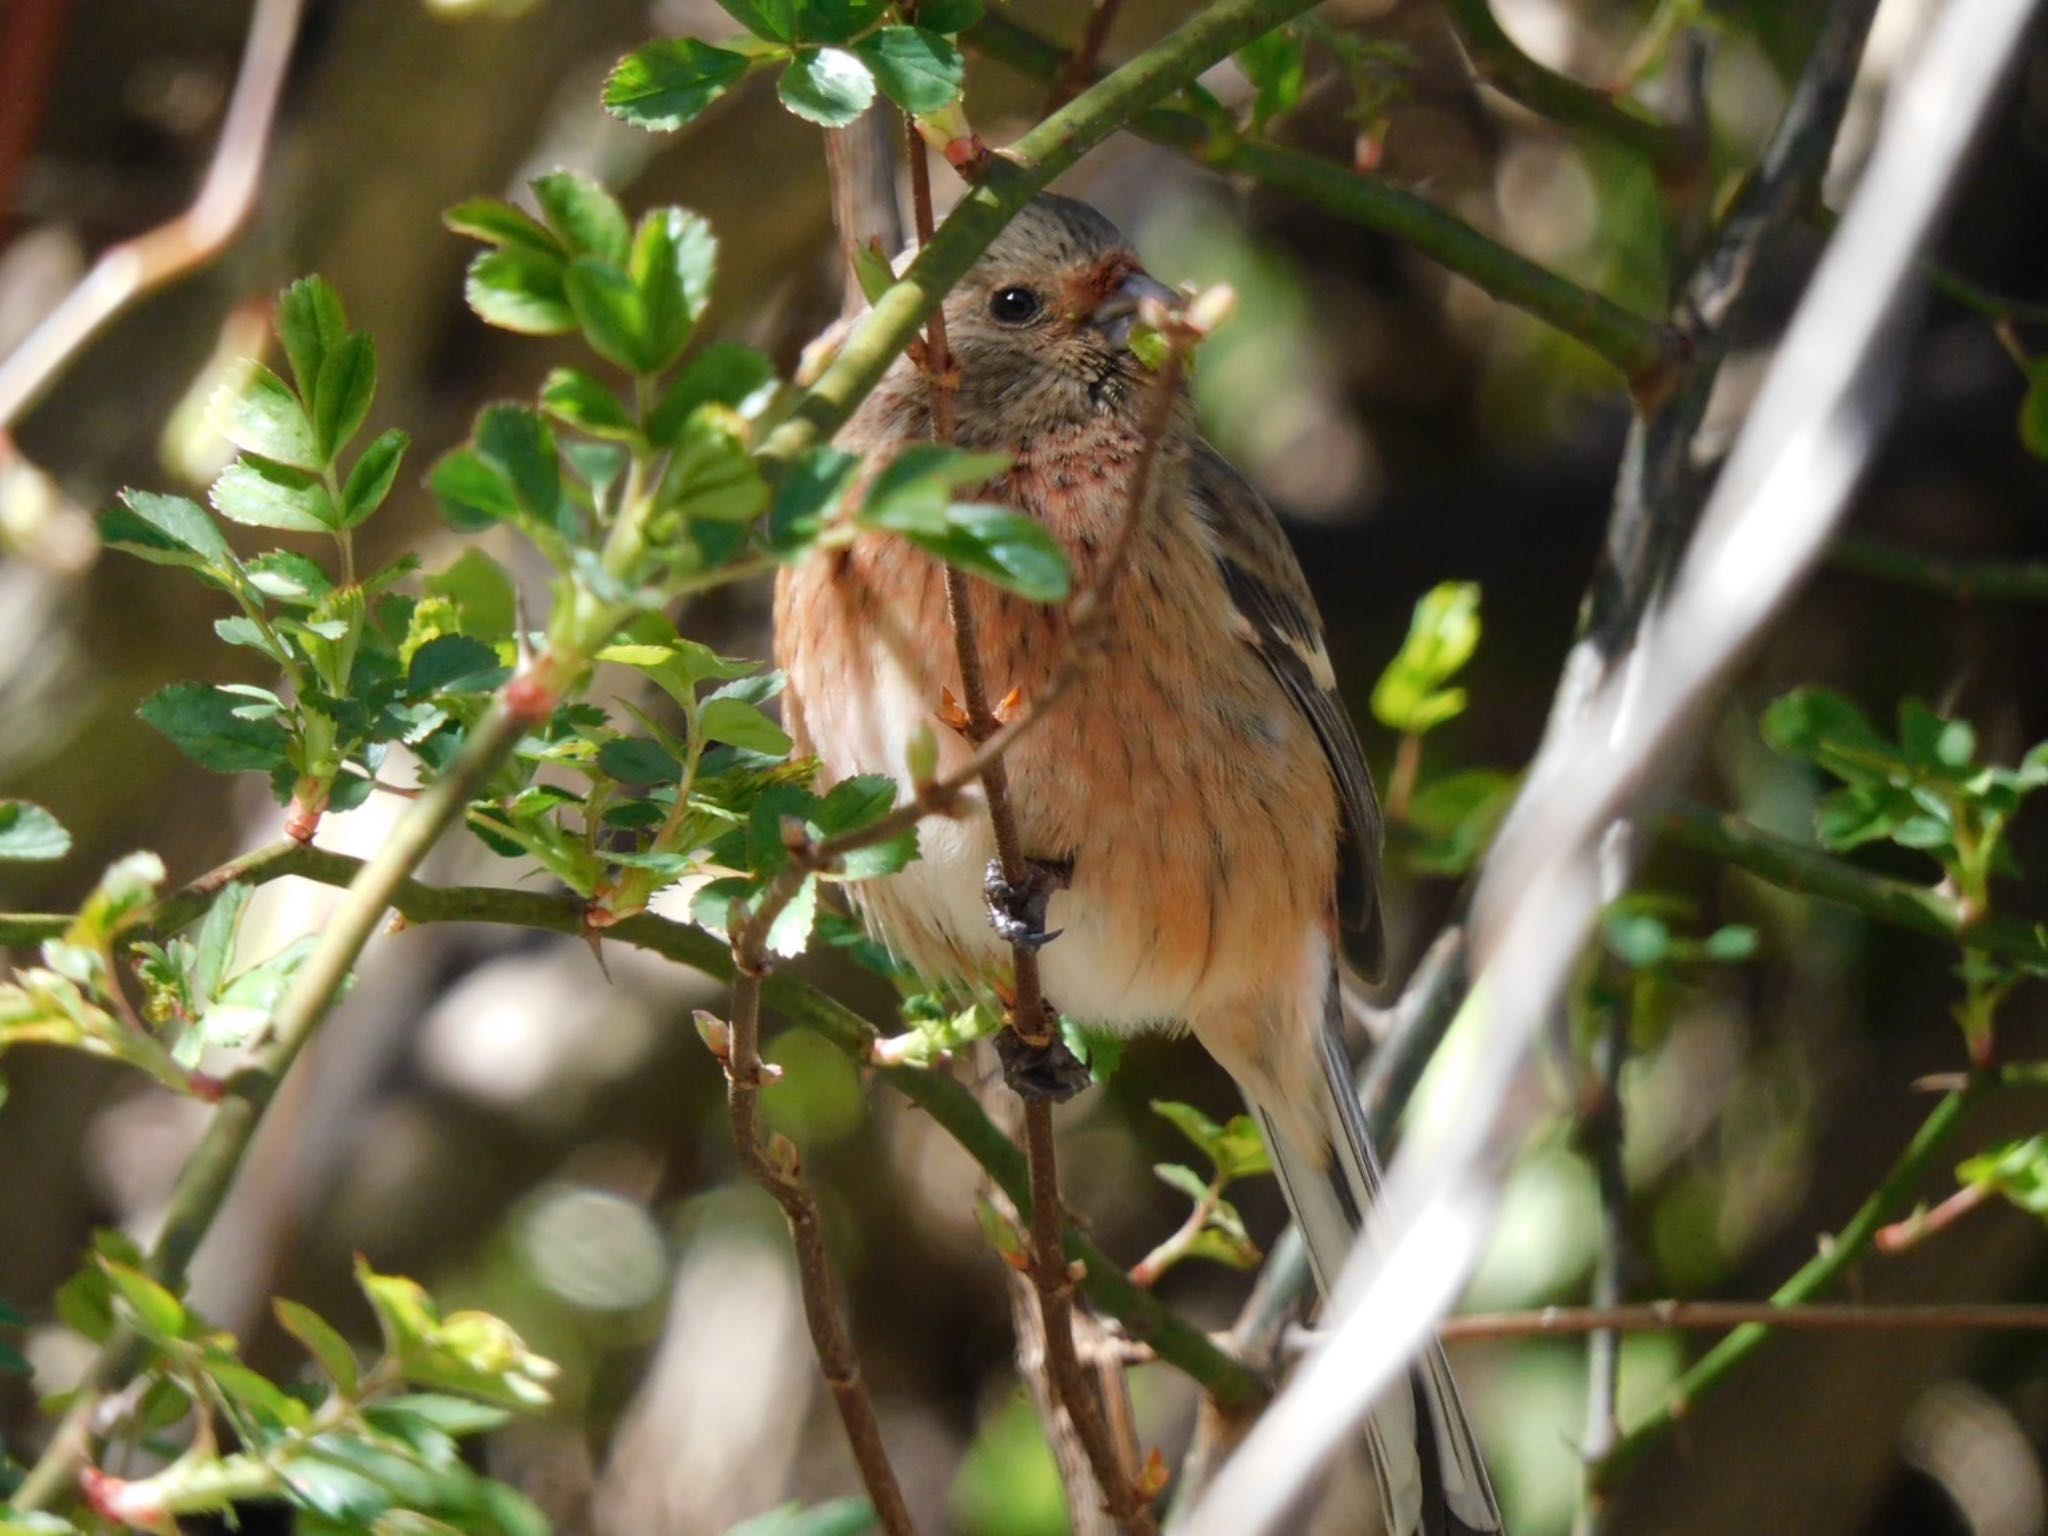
(213, 947)
(1241, 1151)
(341, 400)
(586, 217)
(673, 260)
(517, 289)
(742, 725)
(710, 476)
(205, 724)
(499, 223)
(323, 1342)
(1809, 722)
(1635, 937)
(727, 374)
(609, 311)
(916, 68)
(841, 1517)
(826, 86)
(1456, 817)
(1730, 945)
(949, 16)
(808, 498)
(790, 934)
(772, 21)
(1276, 65)
(29, 834)
(453, 664)
(2034, 410)
(258, 412)
(516, 442)
(260, 494)
(837, 21)
(668, 83)
(915, 488)
(310, 321)
(2018, 1170)
(289, 578)
(637, 761)
(472, 493)
(1006, 548)
(1191, 1123)
(180, 524)
(576, 399)
(1411, 695)
(371, 479)
(156, 1311)
(872, 270)
(1178, 1176)
(482, 593)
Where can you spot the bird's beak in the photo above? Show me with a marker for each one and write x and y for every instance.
(1118, 312)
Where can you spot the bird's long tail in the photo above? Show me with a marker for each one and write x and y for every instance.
(1431, 1477)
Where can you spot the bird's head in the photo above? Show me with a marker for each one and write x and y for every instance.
(1041, 328)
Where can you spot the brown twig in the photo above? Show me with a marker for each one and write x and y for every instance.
(127, 271)
(1901, 1235)
(1078, 73)
(30, 38)
(1714, 1316)
(1029, 1015)
(775, 1165)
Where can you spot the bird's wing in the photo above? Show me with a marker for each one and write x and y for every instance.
(1271, 596)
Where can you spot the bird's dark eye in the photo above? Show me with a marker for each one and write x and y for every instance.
(1015, 306)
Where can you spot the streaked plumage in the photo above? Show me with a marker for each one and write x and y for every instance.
(1205, 782)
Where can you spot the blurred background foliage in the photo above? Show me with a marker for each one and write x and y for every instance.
(535, 1136)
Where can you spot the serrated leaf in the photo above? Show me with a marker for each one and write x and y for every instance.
(147, 524)
(608, 311)
(710, 475)
(203, 721)
(573, 397)
(583, 215)
(741, 725)
(258, 412)
(341, 400)
(516, 443)
(914, 489)
(668, 83)
(482, 592)
(826, 86)
(639, 762)
(29, 834)
(773, 21)
(1191, 1123)
(370, 481)
(499, 223)
(310, 321)
(1178, 1176)
(790, 934)
(1008, 549)
(809, 497)
(837, 21)
(289, 577)
(727, 374)
(453, 664)
(918, 69)
(257, 493)
(519, 289)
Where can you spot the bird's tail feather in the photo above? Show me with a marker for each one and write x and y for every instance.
(1431, 1477)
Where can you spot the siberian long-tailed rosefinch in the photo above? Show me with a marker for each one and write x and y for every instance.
(1204, 790)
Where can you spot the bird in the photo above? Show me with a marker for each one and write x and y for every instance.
(1203, 796)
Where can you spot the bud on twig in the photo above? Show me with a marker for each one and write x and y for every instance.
(714, 1032)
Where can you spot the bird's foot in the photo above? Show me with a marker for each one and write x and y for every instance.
(1017, 911)
(1043, 1068)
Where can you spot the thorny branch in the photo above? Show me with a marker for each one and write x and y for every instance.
(775, 1165)
(1030, 1018)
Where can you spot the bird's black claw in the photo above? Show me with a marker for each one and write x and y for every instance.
(1040, 1071)
(1017, 912)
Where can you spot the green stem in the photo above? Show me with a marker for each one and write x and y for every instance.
(1014, 176)
(1641, 348)
(949, 1103)
(1816, 1275)
(1965, 580)
(1810, 872)
(209, 1173)
(1502, 64)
